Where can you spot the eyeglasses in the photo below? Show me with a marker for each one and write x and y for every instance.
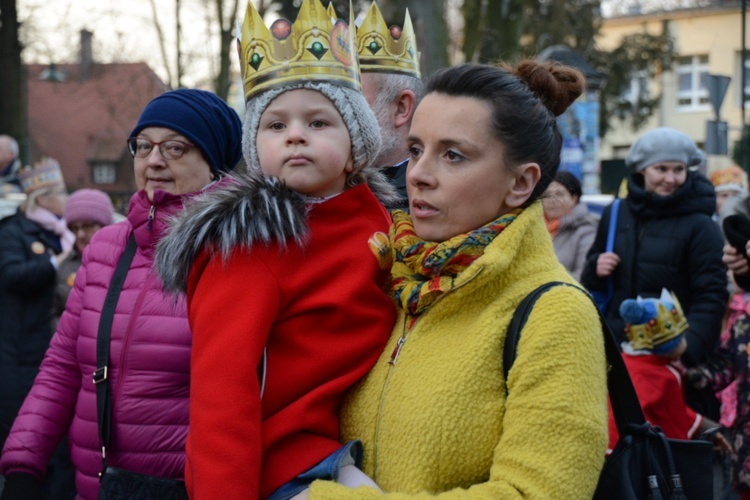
(170, 150)
(83, 226)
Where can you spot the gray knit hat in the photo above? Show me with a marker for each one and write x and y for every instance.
(351, 105)
(662, 144)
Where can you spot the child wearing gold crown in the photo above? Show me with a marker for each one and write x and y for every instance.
(285, 297)
(655, 328)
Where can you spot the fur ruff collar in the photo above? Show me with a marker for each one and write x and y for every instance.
(244, 209)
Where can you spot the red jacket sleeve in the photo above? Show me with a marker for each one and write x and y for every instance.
(231, 307)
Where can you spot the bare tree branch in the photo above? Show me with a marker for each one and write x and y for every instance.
(162, 42)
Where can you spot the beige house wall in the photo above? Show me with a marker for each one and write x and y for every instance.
(715, 33)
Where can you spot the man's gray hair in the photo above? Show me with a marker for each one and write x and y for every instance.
(11, 143)
(389, 85)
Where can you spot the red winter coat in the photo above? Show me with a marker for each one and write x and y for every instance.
(659, 390)
(149, 367)
(312, 297)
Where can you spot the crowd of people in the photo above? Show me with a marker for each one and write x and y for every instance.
(328, 320)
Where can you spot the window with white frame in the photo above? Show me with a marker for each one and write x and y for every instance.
(638, 88)
(692, 94)
(104, 173)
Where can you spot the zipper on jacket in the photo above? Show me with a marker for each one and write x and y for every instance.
(401, 340)
(392, 362)
(151, 216)
(411, 322)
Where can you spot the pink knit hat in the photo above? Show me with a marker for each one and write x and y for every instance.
(89, 205)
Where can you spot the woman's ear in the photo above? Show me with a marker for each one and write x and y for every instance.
(526, 178)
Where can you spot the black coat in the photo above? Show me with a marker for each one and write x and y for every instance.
(668, 242)
(27, 285)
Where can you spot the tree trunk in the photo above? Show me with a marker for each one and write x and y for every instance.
(473, 12)
(502, 31)
(12, 76)
(178, 42)
(227, 48)
(162, 44)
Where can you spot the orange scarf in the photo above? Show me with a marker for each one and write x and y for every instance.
(552, 226)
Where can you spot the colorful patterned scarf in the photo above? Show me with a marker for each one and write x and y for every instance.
(422, 271)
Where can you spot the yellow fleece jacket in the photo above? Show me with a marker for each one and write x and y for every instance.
(437, 422)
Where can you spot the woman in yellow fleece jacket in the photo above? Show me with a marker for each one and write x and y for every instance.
(435, 414)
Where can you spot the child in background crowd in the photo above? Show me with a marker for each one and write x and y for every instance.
(285, 297)
(728, 183)
(654, 328)
(87, 211)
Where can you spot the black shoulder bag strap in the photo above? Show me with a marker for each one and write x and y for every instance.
(101, 375)
(625, 406)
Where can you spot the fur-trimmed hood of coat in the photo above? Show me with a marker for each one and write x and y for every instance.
(244, 209)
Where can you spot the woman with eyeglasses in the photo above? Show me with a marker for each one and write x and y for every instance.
(87, 211)
(184, 141)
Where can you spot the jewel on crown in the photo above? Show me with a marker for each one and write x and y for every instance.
(315, 47)
(387, 50)
(668, 324)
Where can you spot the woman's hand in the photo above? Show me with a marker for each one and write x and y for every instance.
(721, 444)
(734, 261)
(606, 264)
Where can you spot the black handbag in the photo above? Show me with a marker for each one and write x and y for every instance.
(644, 463)
(119, 484)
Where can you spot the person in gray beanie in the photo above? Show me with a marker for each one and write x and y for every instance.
(665, 238)
(663, 144)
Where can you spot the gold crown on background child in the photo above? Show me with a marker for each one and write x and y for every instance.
(44, 174)
(314, 48)
(731, 177)
(668, 324)
(387, 50)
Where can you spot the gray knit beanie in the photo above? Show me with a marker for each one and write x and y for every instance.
(351, 105)
(662, 144)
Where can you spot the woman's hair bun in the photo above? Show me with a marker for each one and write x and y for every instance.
(557, 85)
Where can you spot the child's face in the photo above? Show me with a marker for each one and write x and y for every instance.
(303, 141)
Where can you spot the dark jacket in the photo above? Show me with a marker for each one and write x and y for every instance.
(667, 242)
(27, 285)
(66, 274)
(396, 176)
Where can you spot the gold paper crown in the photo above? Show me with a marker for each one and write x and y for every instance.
(315, 48)
(731, 177)
(44, 174)
(387, 50)
(668, 324)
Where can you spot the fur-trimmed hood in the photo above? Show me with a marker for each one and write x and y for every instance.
(244, 209)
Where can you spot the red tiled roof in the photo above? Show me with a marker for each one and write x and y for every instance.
(79, 122)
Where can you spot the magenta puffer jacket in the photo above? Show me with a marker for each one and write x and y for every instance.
(149, 367)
